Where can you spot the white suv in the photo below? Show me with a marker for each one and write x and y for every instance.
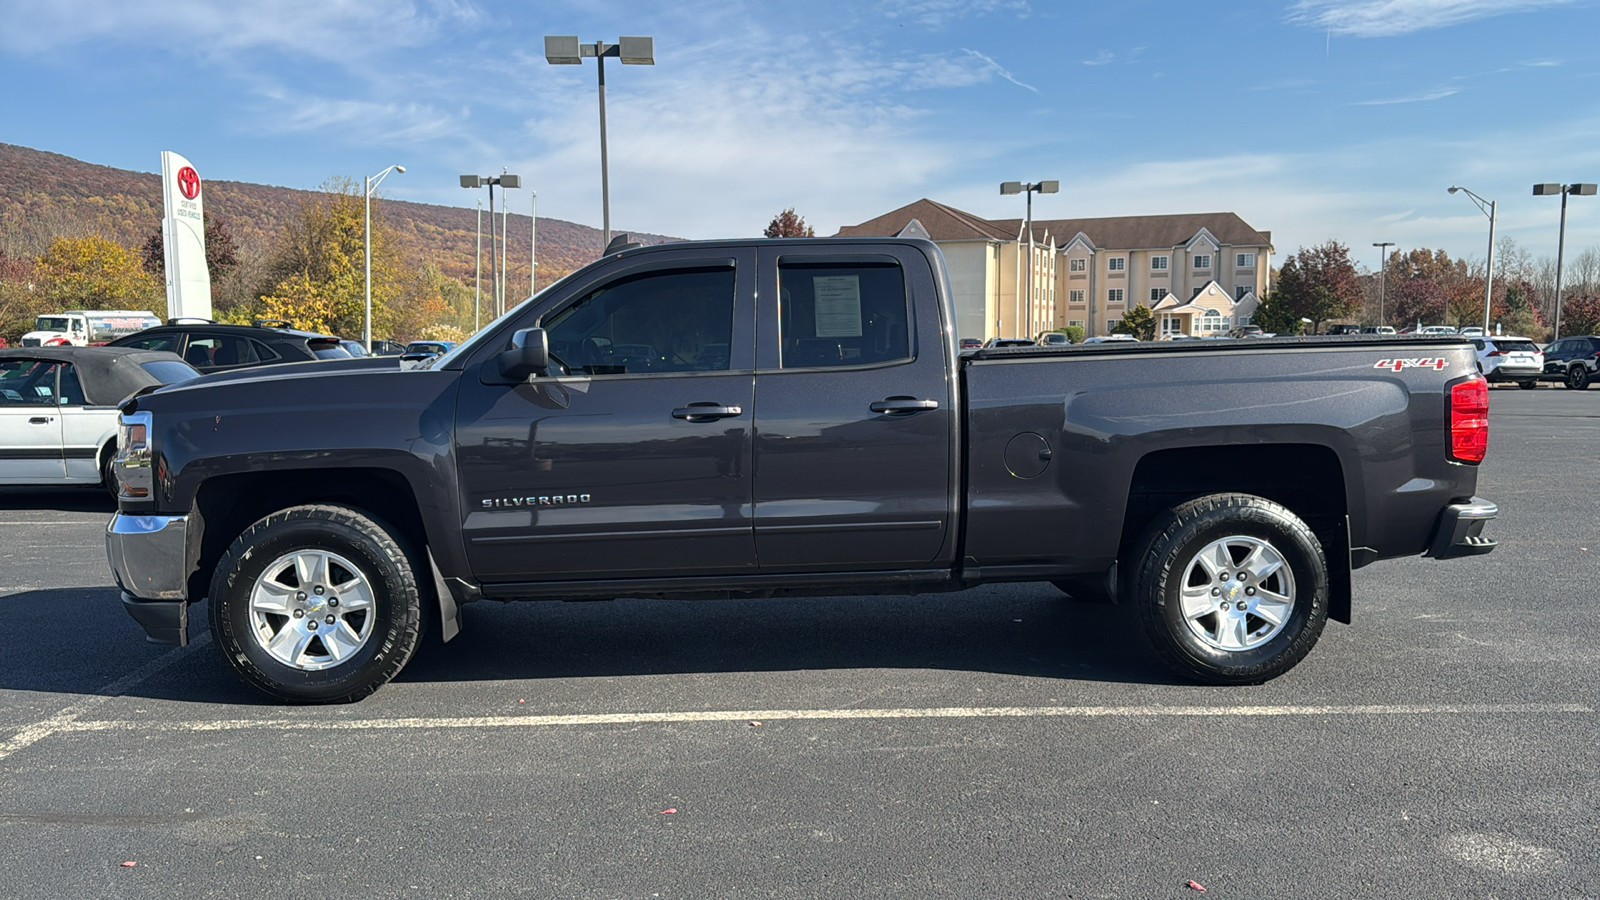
(1506, 358)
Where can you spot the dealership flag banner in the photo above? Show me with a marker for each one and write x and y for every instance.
(183, 233)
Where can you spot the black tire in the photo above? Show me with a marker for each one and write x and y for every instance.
(1162, 568)
(362, 547)
(108, 479)
(1527, 384)
(1577, 377)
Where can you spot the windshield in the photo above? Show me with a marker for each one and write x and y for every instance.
(1516, 346)
(52, 323)
(461, 350)
(170, 371)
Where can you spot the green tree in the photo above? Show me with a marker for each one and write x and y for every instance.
(318, 274)
(1138, 322)
(788, 225)
(1275, 317)
(1319, 283)
(1074, 333)
(95, 273)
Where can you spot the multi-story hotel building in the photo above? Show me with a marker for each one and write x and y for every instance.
(1200, 274)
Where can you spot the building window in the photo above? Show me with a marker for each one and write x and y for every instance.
(1202, 261)
(1077, 264)
(1114, 295)
(1113, 325)
(1075, 296)
(1117, 263)
(1211, 321)
(1077, 322)
(1243, 320)
(1240, 290)
(1196, 293)
(1244, 260)
(1158, 263)
(1156, 294)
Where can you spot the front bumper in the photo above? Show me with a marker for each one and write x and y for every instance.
(1459, 532)
(148, 556)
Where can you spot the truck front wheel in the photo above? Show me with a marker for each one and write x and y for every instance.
(316, 604)
(1231, 588)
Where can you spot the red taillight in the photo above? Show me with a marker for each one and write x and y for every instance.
(1469, 420)
(1497, 353)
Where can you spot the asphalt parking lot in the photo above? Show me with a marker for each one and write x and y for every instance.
(1002, 742)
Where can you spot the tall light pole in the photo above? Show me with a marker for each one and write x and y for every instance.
(1041, 187)
(505, 182)
(372, 184)
(477, 276)
(1383, 266)
(1487, 207)
(1580, 190)
(533, 243)
(565, 50)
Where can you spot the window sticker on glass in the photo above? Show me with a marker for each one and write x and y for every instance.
(838, 305)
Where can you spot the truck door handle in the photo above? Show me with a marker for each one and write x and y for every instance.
(903, 405)
(40, 420)
(707, 412)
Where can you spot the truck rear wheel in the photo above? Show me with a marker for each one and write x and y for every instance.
(1230, 588)
(316, 604)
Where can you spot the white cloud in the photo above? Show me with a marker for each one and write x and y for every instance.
(1415, 98)
(1104, 57)
(327, 29)
(1387, 18)
(1000, 70)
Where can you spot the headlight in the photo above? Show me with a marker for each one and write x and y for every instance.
(132, 463)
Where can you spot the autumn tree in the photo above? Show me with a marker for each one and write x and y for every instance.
(222, 251)
(1319, 283)
(96, 273)
(19, 296)
(318, 274)
(788, 225)
(1138, 322)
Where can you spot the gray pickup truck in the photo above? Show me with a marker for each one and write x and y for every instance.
(787, 418)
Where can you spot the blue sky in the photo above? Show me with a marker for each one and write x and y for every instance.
(1315, 119)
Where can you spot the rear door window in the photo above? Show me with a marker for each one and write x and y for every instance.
(843, 315)
(170, 341)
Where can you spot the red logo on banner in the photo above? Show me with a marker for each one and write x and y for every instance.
(189, 182)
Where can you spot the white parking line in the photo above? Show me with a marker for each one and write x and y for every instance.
(67, 718)
(773, 715)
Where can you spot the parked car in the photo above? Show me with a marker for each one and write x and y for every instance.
(419, 352)
(387, 348)
(1052, 339)
(1507, 358)
(1438, 329)
(1471, 331)
(354, 348)
(1343, 329)
(1109, 338)
(1378, 329)
(1247, 331)
(1227, 520)
(1009, 342)
(58, 409)
(215, 347)
(971, 343)
(1573, 361)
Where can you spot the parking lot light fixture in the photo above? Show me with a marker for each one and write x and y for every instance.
(1383, 266)
(1565, 190)
(1487, 207)
(566, 50)
(505, 181)
(371, 185)
(1017, 187)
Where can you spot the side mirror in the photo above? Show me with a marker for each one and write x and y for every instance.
(529, 355)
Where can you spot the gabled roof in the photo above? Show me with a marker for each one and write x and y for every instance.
(942, 223)
(946, 223)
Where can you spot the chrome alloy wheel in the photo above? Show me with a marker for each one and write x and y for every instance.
(311, 610)
(1237, 593)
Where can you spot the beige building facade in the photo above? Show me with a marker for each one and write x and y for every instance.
(1201, 274)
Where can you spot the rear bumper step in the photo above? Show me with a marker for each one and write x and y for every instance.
(1460, 530)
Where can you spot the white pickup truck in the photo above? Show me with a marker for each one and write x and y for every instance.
(83, 328)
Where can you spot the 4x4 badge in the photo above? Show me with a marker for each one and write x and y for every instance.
(1426, 362)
